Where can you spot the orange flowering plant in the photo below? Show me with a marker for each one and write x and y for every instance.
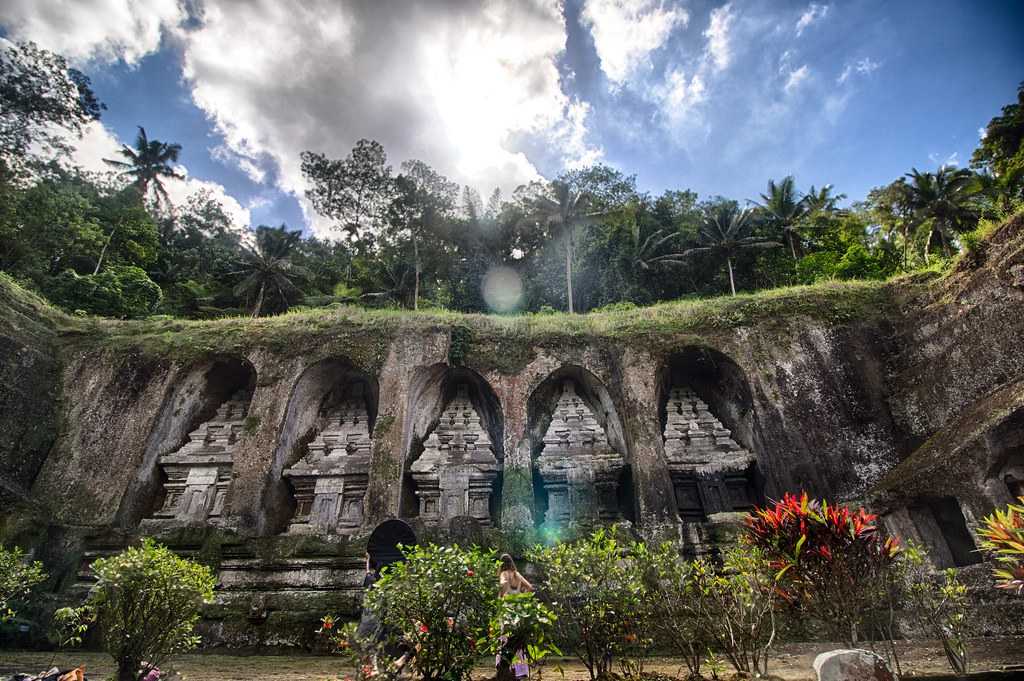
(832, 563)
(1002, 535)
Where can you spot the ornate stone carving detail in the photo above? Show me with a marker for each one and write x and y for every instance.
(455, 474)
(579, 468)
(330, 480)
(199, 473)
(710, 470)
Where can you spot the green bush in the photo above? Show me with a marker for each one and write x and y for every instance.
(118, 291)
(939, 604)
(146, 603)
(439, 603)
(859, 263)
(596, 587)
(17, 578)
(817, 267)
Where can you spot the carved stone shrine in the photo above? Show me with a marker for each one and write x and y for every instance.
(198, 474)
(710, 472)
(579, 468)
(330, 480)
(455, 474)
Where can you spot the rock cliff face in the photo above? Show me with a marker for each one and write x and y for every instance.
(852, 392)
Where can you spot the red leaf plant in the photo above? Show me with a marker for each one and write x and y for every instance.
(833, 564)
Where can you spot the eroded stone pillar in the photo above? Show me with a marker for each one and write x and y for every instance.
(330, 481)
(199, 473)
(455, 473)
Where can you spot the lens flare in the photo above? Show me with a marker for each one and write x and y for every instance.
(503, 289)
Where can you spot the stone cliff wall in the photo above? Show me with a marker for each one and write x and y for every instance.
(838, 390)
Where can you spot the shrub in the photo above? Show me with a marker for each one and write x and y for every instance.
(521, 623)
(1002, 535)
(17, 578)
(831, 562)
(146, 602)
(439, 604)
(938, 605)
(672, 610)
(595, 586)
(117, 291)
(736, 607)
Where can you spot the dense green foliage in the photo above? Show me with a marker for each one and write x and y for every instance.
(146, 602)
(412, 238)
(17, 578)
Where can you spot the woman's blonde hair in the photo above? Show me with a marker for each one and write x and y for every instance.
(507, 564)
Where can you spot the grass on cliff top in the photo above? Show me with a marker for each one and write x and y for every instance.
(372, 329)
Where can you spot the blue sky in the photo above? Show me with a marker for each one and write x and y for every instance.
(715, 97)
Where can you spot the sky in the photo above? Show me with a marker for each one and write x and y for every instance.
(714, 97)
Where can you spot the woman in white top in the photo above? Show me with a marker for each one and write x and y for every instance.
(509, 579)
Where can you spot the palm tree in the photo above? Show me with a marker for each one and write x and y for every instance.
(822, 199)
(784, 208)
(944, 197)
(725, 232)
(644, 253)
(147, 163)
(267, 268)
(564, 209)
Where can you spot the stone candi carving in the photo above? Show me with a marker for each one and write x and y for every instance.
(330, 480)
(455, 474)
(579, 468)
(710, 471)
(198, 474)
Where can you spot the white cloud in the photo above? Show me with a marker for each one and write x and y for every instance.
(864, 67)
(813, 13)
(100, 29)
(626, 32)
(571, 136)
(796, 77)
(982, 132)
(719, 48)
(679, 96)
(459, 86)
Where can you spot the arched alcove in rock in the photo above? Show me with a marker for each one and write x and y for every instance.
(710, 433)
(603, 466)
(316, 402)
(192, 400)
(432, 391)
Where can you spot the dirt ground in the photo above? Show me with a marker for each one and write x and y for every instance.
(791, 662)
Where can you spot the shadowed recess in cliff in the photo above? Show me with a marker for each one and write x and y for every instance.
(320, 393)
(192, 400)
(574, 392)
(432, 391)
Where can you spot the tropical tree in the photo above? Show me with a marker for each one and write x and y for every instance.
(147, 163)
(945, 198)
(784, 208)
(357, 191)
(725, 232)
(268, 270)
(822, 199)
(1001, 150)
(564, 208)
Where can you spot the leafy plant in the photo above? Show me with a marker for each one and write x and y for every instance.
(1002, 535)
(17, 578)
(147, 602)
(735, 607)
(672, 609)
(938, 605)
(832, 563)
(438, 605)
(595, 586)
(521, 623)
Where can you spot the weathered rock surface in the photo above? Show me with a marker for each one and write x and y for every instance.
(851, 665)
(909, 394)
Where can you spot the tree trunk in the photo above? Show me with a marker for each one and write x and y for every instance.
(568, 266)
(127, 670)
(259, 302)
(103, 252)
(416, 287)
(732, 283)
(792, 245)
(906, 244)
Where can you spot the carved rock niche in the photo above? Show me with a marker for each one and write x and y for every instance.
(580, 470)
(455, 474)
(198, 474)
(711, 473)
(330, 480)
